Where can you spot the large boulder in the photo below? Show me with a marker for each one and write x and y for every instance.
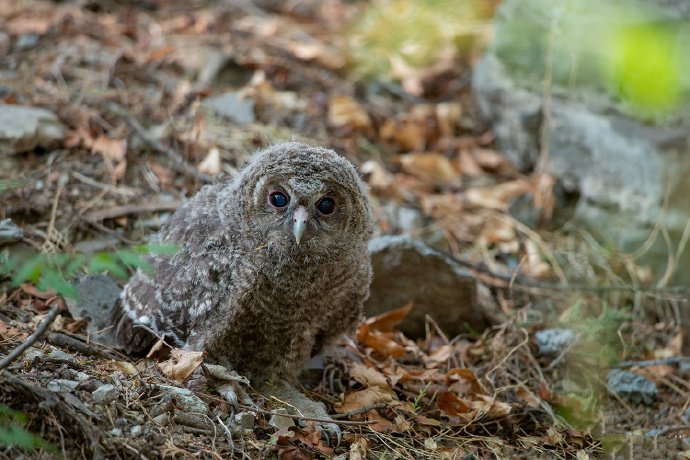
(624, 153)
(406, 270)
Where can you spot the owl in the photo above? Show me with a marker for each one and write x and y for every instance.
(270, 267)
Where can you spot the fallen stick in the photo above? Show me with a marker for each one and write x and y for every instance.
(16, 353)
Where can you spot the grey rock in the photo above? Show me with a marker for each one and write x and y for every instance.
(9, 232)
(25, 128)
(32, 354)
(633, 387)
(105, 394)
(406, 270)
(60, 355)
(244, 421)
(621, 164)
(281, 421)
(62, 385)
(553, 341)
(161, 419)
(117, 432)
(232, 106)
(185, 400)
(97, 296)
(136, 430)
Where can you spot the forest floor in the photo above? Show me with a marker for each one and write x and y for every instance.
(132, 82)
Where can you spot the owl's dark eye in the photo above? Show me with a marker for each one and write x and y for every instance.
(326, 205)
(278, 199)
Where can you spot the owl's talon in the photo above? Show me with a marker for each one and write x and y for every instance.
(328, 430)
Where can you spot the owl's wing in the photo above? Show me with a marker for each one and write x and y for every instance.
(181, 288)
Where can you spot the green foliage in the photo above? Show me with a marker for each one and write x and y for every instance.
(600, 344)
(52, 271)
(414, 33)
(13, 434)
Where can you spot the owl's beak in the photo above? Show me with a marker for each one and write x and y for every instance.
(299, 222)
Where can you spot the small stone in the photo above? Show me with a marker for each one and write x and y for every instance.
(281, 421)
(632, 387)
(97, 295)
(136, 430)
(9, 232)
(59, 355)
(232, 106)
(105, 394)
(161, 419)
(245, 420)
(116, 432)
(62, 385)
(553, 341)
(23, 129)
(33, 353)
(185, 400)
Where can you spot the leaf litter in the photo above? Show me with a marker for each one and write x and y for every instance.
(414, 134)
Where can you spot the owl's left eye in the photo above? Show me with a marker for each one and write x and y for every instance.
(278, 199)
(326, 205)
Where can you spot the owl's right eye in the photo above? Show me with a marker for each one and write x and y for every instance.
(278, 199)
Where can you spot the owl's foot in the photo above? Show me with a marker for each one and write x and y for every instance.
(298, 404)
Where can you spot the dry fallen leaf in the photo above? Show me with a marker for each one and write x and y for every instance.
(385, 322)
(431, 168)
(211, 164)
(450, 404)
(181, 364)
(346, 112)
(359, 448)
(361, 398)
(369, 377)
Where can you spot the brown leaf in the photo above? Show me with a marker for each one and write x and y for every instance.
(112, 149)
(450, 404)
(385, 322)
(467, 375)
(369, 377)
(181, 364)
(344, 111)
(361, 398)
(490, 406)
(431, 168)
(33, 291)
(359, 448)
(380, 342)
(428, 421)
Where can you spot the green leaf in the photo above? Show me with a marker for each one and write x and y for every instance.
(104, 261)
(30, 271)
(52, 279)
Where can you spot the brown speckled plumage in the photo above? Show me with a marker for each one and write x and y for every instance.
(240, 287)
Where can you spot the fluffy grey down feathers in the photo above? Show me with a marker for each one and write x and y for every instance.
(239, 287)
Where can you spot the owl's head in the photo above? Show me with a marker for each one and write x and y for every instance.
(303, 199)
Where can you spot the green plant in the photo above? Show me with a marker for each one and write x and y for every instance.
(13, 434)
(416, 404)
(53, 271)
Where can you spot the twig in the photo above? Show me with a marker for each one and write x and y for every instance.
(308, 419)
(655, 362)
(669, 429)
(178, 162)
(361, 410)
(65, 341)
(14, 354)
(118, 211)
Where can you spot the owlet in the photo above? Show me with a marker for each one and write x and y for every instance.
(269, 267)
